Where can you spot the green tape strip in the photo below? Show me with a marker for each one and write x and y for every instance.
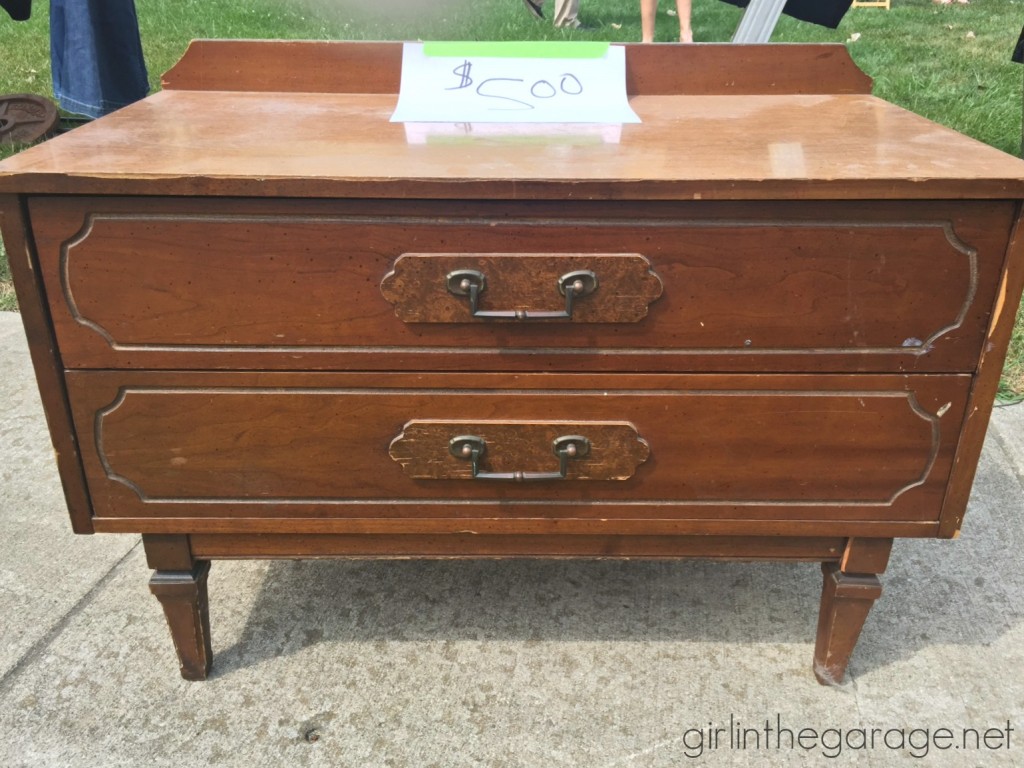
(518, 49)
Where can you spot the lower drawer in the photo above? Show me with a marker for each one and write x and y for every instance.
(383, 451)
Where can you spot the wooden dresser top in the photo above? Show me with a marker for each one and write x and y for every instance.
(719, 122)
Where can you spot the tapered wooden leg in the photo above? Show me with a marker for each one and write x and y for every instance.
(846, 600)
(180, 585)
(850, 588)
(183, 596)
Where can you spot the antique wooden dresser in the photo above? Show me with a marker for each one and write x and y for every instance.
(766, 322)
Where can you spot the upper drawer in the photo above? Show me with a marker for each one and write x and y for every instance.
(675, 286)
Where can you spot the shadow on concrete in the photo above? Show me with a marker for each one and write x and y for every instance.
(965, 592)
(306, 602)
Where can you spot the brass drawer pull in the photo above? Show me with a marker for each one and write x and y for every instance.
(566, 448)
(471, 283)
(447, 449)
(516, 287)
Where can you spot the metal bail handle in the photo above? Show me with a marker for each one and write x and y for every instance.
(471, 283)
(472, 448)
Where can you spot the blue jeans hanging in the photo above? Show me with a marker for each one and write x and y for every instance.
(96, 55)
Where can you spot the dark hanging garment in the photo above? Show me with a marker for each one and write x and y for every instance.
(1018, 54)
(825, 13)
(19, 10)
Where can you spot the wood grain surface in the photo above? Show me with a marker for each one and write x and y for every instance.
(301, 66)
(300, 445)
(846, 601)
(46, 358)
(545, 525)
(986, 383)
(281, 284)
(754, 126)
(475, 545)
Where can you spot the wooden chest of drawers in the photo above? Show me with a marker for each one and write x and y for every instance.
(766, 323)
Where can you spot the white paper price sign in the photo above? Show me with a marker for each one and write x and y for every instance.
(533, 82)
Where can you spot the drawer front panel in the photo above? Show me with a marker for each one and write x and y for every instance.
(784, 287)
(333, 445)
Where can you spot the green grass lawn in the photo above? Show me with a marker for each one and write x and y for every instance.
(949, 63)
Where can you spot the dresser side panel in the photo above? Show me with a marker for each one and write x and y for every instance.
(986, 383)
(46, 358)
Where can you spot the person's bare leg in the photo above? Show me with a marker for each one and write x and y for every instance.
(685, 32)
(648, 9)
